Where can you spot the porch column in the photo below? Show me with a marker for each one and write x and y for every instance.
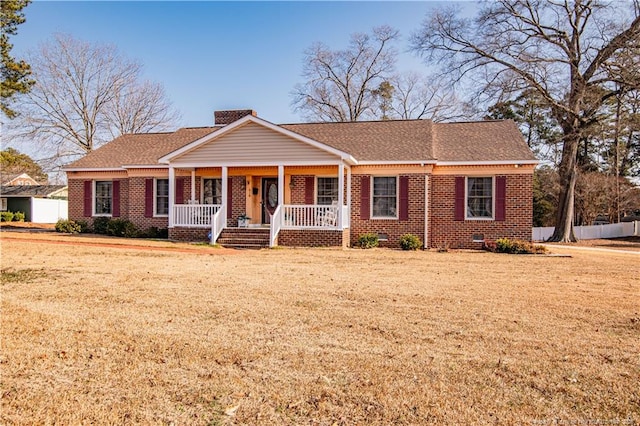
(193, 185)
(172, 194)
(280, 185)
(225, 178)
(340, 193)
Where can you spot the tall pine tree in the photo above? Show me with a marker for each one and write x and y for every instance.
(15, 73)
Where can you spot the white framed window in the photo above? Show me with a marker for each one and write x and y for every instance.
(161, 197)
(326, 190)
(479, 198)
(102, 198)
(3, 204)
(384, 199)
(212, 191)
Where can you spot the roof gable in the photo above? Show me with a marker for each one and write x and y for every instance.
(253, 144)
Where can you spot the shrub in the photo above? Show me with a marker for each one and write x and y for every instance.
(84, 226)
(100, 225)
(410, 242)
(367, 241)
(506, 245)
(67, 226)
(122, 228)
(18, 217)
(6, 216)
(155, 232)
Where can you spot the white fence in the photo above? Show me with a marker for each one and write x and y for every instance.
(614, 230)
(46, 210)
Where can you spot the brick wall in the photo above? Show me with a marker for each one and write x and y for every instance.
(238, 199)
(132, 203)
(313, 238)
(228, 117)
(136, 203)
(76, 200)
(443, 230)
(189, 234)
(394, 228)
(299, 188)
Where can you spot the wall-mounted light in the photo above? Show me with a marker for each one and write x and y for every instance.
(292, 184)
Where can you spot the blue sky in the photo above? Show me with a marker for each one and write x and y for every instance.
(221, 55)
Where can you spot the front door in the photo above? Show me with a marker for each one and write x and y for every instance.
(269, 198)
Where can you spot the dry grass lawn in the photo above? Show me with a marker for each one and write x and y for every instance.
(121, 335)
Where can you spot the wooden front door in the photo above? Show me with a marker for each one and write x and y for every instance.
(269, 198)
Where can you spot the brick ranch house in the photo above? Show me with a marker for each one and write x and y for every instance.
(316, 184)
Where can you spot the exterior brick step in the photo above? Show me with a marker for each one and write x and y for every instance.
(245, 238)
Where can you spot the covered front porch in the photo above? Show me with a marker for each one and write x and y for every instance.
(296, 199)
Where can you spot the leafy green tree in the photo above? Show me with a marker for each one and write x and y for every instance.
(14, 162)
(15, 73)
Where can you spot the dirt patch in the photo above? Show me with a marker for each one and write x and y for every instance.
(106, 335)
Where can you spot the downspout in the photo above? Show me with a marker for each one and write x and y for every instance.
(426, 211)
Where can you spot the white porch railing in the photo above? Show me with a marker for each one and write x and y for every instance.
(311, 216)
(218, 223)
(276, 225)
(194, 215)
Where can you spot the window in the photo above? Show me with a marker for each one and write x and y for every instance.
(3, 204)
(212, 191)
(103, 197)
(479, 198)
(327, 190)
(385, 200)
(162, 197)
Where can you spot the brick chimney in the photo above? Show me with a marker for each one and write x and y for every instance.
(221, 118)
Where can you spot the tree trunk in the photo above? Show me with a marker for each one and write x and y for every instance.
(568, 175)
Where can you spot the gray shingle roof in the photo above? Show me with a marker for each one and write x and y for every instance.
(371, 141)
(29, 190)
(140, 148)
(498, 140)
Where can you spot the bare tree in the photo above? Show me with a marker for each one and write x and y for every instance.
(85, 95)
(417, 97)
(562, 50)
(340, 83)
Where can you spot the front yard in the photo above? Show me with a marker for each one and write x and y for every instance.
(129, 335)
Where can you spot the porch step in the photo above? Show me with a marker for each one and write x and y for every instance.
(245, 238)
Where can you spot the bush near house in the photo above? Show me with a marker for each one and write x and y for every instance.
(506, 245)
(368, 240)
(112, 227)
(100, 225)
(410, 242)
(68, 226)
(121, 228)
(18, 217)
(6, 216)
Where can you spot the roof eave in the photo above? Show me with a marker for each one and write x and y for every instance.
(487, 163)
(94, 169)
